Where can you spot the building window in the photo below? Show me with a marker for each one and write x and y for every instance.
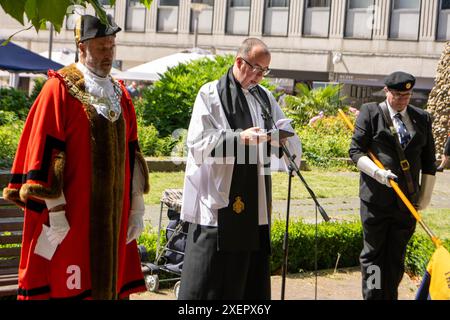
(276, 17)
(168, 16)
(359, 19)
(71, 18)
(108, 7)
(405, 16)
(443, 32)
(135, 20)
(317, 18)
(238, 17)
(202, 10)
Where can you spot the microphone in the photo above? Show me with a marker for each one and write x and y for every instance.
(254, 92)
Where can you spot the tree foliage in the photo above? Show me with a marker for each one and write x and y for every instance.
(38, 12)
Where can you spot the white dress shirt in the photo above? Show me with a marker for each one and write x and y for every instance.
(405, 118)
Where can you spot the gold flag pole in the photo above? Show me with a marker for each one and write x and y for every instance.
(437, 242)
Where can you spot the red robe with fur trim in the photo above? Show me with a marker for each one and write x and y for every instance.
(66, 146)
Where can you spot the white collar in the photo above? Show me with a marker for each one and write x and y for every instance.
(393, 112)
(105, 94)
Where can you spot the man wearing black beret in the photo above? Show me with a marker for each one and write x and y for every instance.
(80, 178)
(400, 136)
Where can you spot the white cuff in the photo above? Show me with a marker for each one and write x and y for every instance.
(426, 190)
(366, 165)
(51, 203)
(137, 203)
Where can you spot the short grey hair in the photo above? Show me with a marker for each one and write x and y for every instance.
(248, 44)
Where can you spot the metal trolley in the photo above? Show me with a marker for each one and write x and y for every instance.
(170, 256)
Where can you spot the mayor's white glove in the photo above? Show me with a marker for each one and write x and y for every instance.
(136, 218)
(59, 227)
(426, 190)
(366, 165)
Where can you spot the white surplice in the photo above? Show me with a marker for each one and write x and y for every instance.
(208, 179)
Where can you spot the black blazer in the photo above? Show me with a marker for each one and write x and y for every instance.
(372, 133)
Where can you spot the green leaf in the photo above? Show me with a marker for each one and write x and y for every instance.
(14, 8)
(31, 9)
(53, 11)
(147, 3)
(101, 13)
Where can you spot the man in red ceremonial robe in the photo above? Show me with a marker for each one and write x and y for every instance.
(80, 178)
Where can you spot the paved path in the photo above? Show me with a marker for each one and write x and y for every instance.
(337, 208)
(344, 284)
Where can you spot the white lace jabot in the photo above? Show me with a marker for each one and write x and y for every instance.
(105, 94)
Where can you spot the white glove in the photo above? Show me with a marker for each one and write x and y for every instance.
(366, 165)
(426, 190)
(136, 219)
(59, 227)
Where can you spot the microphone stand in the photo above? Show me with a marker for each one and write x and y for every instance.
(293, 167)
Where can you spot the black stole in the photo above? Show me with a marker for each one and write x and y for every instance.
(238, 228)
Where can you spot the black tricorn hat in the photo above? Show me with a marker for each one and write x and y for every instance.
(90, 27)
(400, 81)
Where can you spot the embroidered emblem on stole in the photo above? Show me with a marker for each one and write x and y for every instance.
(238, 205)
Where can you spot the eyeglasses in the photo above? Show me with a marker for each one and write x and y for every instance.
(398, 95)
(257, 69)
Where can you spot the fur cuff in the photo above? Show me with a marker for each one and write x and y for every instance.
(13, 195)
(51, 192)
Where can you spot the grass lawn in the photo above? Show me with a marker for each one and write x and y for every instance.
(160, 181)
(325, 184)
(438, 220)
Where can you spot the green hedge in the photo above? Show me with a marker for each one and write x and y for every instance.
(332, 239)
(344, 238)
(9, 139)
(324, 141)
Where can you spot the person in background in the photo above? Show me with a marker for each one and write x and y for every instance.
(133, 89)
(80, 178)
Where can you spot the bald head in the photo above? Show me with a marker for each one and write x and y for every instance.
(250, 45)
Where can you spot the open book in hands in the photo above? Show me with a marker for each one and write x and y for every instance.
(282, 130)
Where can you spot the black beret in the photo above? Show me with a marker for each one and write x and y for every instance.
(90, 27)
(400, 81)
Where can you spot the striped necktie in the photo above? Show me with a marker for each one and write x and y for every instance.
(403, 133)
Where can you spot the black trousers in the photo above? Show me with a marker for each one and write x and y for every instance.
(209, 274)
(386, 232)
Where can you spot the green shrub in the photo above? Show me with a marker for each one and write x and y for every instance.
(324, 141)
(7, 117)
(9, 139)
(418, 254)
(148, 239)
(16, 101)
(38, 84)
(148, 139)
(333, 239)
(309, 102)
